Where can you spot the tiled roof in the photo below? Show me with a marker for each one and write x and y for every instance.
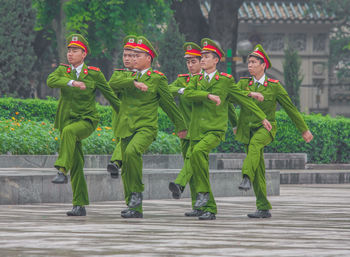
(295, 11)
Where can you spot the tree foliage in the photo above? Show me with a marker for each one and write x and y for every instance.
(17, 55)
(292, 77)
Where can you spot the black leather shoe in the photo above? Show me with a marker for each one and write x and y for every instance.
(131, 214)
(202, 200)
(113, 168)
(60, 178)
(207, 216)
(77, 211)
(260, 214)
(245, 184)
(125, 210)
(176, 189)
(194, 213)
(135, 200)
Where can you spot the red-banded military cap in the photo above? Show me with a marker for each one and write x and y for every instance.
(143, 45)
(77, 40)
(209, 45)
(130, 42)
(192, 49)
(260, 52)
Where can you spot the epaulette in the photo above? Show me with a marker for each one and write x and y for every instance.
(183, 75)
(273, 80)
(63, 64)
(158, 72)
(245, 77)
(93, 68)
(226, 75)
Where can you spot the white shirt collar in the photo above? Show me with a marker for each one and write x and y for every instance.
(211, 75)
(261, 80)
(78, 69)
(144, 71)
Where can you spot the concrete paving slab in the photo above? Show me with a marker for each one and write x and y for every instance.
(307, 220)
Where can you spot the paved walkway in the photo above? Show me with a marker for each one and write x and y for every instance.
(308, 220)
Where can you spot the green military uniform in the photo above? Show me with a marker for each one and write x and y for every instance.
(255, 137)
(77, 118)
(137, 124)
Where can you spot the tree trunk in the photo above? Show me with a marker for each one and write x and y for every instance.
(59, 27)
(191, 21)
(223, 26)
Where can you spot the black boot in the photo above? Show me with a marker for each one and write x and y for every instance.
(194, 213)
(131, 214)
(77, 211)
(60, 178)
(202, 200)
(176, 189)
(207, 216)
(245, 184)
(113, 168)
(135, 199)
(260, 214)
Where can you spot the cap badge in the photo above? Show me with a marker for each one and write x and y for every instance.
(131, 40)
(74, 38)
(189, 47)
(205, 43)
(256, 49)
(140, 41)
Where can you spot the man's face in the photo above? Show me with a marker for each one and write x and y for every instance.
(193, 65)
(129, 59)
(255, 67)
(142, 61)
(75, 56)
(208, 61)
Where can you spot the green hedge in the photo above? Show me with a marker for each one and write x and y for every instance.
(331, 142)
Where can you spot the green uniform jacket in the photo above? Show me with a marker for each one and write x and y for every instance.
(206, 116)
(185, 105)
(273, 93)
(138, 109)
(77, 104)
(123, 73)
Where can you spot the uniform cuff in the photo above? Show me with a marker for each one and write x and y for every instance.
(70, 83)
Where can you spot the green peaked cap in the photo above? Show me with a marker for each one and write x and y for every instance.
(78, 40)
(209, 45)
(130, 41)
(143, 45)
(260, 52)
(192, 49)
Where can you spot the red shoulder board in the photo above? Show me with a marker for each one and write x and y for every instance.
(217, 77)
(158, 72)
(85, 71)
(183, 75)
(63, 64)
(188, 79)
(93, 68)
(134, 73)
(273, 80)
(225, 74)
(119, 69)
(149, 73)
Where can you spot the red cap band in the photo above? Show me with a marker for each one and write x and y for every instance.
(78, 43)
(130, 45)
(193, 52)
(145, 48)
(261, 55)
(212, 49)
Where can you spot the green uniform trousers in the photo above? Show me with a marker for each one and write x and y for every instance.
(254, 165)
(199, 163)
(132, 149)
(71, 157)
(185, 175)
(117, 153)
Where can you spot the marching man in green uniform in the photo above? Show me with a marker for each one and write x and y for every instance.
(137, 123)
(77, 116)
(128, 59)
(253, 135)
(210, 94)
(193, 58)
